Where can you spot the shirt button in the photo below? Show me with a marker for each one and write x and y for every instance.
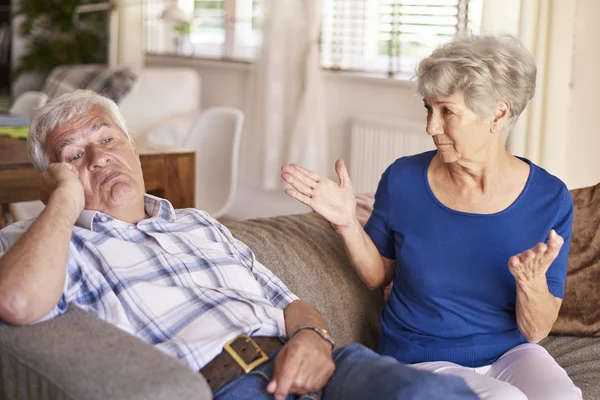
(103, 219)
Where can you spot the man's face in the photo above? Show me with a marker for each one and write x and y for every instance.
(106, 160)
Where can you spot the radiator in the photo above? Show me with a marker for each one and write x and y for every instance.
(376, 142)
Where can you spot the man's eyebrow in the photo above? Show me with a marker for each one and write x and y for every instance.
(99, 124)
(61, 146)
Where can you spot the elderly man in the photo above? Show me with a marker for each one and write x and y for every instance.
(174, 278)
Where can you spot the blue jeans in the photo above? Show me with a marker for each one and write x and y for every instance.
(360, 374)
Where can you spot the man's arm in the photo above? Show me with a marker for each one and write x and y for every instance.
(304, 364)
(32, 272)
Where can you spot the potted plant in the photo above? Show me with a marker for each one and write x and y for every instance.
(52, 40)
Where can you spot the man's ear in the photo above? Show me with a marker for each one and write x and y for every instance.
(135, 149)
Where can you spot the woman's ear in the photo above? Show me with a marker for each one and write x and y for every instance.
(500, 117)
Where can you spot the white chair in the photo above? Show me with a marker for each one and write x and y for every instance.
(216, 139)
(27, 103)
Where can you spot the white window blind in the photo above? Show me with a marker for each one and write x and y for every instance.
(222, 29)
(390, 36)
(376, 36)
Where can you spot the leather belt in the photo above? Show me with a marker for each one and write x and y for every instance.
(239, 356)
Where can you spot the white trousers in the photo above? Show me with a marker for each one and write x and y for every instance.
(526, 372)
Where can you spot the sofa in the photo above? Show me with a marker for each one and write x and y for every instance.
(78, 356)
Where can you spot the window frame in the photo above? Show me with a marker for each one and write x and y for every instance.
(229, 45)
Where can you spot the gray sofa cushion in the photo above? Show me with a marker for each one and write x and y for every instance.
(307, 255)
(580, 357)
(78, 356)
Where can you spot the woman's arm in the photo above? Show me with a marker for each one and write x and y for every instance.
(537, 309)
(337, 204)
(375, 270)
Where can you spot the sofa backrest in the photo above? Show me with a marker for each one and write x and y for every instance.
(579, 313)
(308, 256)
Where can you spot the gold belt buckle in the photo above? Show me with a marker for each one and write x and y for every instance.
(239, 360)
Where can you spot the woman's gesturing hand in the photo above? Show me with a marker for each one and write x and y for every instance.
(335, 202)
(532, 264)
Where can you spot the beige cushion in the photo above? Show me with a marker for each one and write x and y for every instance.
(307, 255)
(580, 311)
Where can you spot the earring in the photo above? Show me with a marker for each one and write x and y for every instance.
(492, 128)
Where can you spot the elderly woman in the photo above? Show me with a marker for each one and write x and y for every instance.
(474, 239)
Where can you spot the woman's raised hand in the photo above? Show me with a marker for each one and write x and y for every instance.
(335, 202)
(533, 264)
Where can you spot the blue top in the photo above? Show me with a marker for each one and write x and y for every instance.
(454, 297)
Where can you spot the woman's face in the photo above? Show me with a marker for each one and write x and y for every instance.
(457, 132)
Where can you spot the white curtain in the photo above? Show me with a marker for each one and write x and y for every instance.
(286, 120)
(126, 34)
(547, 29)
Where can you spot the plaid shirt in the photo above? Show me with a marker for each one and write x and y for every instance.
(177, 280)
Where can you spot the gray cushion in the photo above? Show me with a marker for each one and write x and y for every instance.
(307, 255)
(580, 357)
(78, 356)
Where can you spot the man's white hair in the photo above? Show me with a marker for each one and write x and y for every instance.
(60, 111)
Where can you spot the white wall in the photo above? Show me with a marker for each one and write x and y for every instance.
(224, 84)
(349, 96)
(583, 162)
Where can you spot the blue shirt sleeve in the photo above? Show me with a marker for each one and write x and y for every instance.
(378, 226)
(557, 273)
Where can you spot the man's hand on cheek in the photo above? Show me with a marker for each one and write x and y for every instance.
(60, 181)
(304, 365)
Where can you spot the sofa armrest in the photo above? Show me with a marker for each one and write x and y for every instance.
(79, 356)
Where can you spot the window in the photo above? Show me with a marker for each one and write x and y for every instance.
(378, 36)
(222, 29)
(390, 36)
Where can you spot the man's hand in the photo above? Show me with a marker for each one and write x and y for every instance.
(62, 179)
(304, 365)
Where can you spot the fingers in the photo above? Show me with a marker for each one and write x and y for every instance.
(306, 172)
(555, 241)
(287, 365)
(318, 378)
(514, 261)
(300, 183)
(542, 253)
(342, 172)
(272, 386)
(302, 198)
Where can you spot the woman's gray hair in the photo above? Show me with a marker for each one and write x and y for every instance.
(486, 68)
(60, 111)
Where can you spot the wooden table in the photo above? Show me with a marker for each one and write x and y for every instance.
(168, 173)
